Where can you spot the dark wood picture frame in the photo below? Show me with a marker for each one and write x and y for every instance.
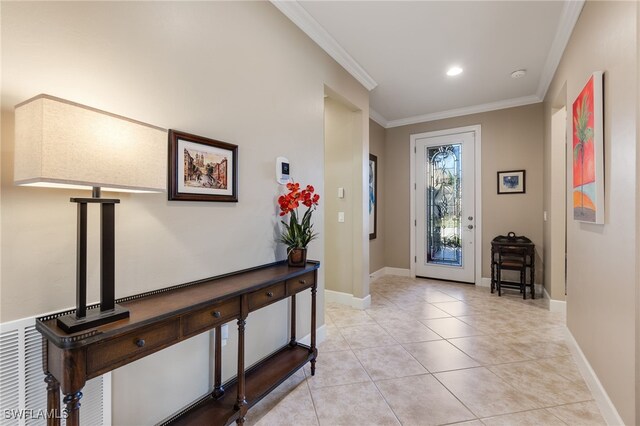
(373, 195)
(201, 193)
(520, 188)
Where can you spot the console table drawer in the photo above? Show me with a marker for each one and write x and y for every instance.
(211, 316)
(300, 283)
(268, 295)
(131, 346)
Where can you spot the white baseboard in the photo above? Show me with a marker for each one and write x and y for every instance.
(321, 335)
(377, 274)
(361, 303)
(486, 282)
(388, 270)
(555, 305)
(608, 410)
(337, 297)
(347, 299)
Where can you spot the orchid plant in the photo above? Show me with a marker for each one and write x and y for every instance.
(298, 233)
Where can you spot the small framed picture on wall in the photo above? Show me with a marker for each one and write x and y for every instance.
(511, 182)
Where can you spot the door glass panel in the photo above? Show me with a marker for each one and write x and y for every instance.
(443, 198)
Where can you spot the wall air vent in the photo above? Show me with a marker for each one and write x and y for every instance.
(23, 394)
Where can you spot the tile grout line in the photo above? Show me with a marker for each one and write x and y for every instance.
(456, 397)
(352, 350)
(313, 402)
(419, 363)
(474, 299)
(545, 409)
(523, 411)
(378, 389)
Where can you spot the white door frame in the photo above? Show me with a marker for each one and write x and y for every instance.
(476, 129)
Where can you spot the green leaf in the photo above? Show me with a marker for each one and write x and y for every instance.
(577, 150)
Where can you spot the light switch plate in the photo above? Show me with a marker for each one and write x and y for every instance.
(341, 217)
(340, 192)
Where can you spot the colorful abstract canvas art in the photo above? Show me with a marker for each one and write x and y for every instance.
(588, 147)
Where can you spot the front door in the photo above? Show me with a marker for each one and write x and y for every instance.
(445, 207)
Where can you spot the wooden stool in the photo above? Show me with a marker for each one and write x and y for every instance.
(512, 258)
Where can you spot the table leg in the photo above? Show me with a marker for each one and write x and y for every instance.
(53, 400)
(493, 271)
(533, 270)
(218, 390)
(292, 342)
(72, 408)
(314, 290)
(241, 402)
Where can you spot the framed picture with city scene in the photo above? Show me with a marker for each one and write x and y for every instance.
(202, 169)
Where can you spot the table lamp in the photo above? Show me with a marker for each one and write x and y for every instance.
(61, 144)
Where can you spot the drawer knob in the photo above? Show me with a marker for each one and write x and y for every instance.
(216, 314)
(303, 282)
(269, 294)
(139, 343)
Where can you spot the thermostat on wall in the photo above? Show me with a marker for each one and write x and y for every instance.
(283, 171)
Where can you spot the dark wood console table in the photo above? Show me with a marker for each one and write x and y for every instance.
(162, 318)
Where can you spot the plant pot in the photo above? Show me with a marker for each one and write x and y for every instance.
(298, 257)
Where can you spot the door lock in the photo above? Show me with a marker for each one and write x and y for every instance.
(470, 217)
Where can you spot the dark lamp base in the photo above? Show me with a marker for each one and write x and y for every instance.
(94, 318)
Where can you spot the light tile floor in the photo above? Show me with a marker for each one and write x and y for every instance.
(433, 353)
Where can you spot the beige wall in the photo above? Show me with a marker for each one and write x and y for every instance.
(343, 159)
(236, 71)
(637, 218)
(601, 294)
(376, 246)
(555, 203)
(338, 134)
(511, 140)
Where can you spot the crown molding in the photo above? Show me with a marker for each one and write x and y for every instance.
(299, 16)
(378, 118)
(303, 20)
(570, 13)
(474, 109)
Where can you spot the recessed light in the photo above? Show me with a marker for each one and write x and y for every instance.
(518, 73)
(454, 71)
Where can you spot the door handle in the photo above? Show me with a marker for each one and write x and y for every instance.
(470, 226)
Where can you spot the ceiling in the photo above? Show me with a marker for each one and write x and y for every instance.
(401, 50)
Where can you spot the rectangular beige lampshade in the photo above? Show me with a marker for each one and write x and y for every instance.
(60, 143)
